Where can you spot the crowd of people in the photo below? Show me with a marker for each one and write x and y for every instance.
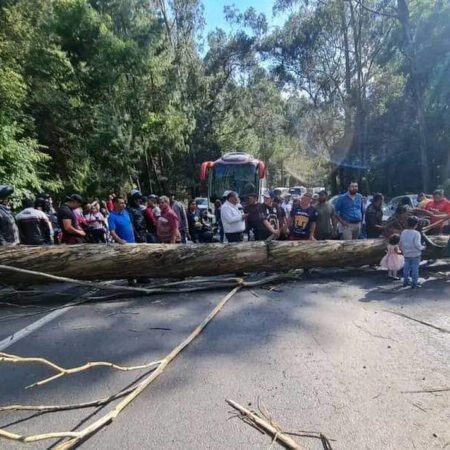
(152, 219)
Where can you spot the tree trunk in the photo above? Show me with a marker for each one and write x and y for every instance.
(109, 262)
(417, 88)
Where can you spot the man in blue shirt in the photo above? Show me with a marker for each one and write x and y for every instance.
(119, 222)
(350, 211)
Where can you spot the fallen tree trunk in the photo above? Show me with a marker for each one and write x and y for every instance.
(109, 262)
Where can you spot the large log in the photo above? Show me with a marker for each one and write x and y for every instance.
(109, 262)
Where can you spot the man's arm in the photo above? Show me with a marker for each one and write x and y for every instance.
(174, 226)
(112, 231)
(47, 229)
(67, 226)
(269, 227)
(116, 237)
(312, 231)
(339, 211)
(2, 231)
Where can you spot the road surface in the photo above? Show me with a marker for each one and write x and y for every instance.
(329, 354)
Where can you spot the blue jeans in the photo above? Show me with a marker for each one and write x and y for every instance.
(411, 268)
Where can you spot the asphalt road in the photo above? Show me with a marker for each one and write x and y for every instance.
(325, 355)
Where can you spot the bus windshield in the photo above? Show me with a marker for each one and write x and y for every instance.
(242, 178)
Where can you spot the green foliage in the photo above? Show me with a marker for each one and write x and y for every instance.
(101, 95)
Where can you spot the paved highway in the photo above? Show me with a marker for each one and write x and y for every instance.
(325, 354)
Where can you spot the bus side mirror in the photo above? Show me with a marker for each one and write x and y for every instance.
(204, 170)
(261, 170)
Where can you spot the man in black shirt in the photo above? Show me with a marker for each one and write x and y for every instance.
(374, 217)
(268, 225)
(252, 209)
(303, 219)
(71, 230)
(137, 216)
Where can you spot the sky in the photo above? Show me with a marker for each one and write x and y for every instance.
(215, 18)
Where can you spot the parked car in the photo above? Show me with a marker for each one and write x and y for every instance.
(391, 206)
(202, 203)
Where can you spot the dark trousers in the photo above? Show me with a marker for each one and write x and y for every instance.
(235, 237)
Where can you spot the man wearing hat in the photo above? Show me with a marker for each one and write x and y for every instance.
(71, 230)
(9, 234)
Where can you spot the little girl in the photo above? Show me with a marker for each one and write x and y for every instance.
(393, 260)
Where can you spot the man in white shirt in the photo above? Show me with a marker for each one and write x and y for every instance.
(233, 219)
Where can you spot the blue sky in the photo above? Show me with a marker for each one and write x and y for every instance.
(214, 15)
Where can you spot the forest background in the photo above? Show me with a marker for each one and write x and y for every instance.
(103, 95)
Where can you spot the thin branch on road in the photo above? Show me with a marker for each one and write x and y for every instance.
(131, 393)
(8, 358)
(266, 424)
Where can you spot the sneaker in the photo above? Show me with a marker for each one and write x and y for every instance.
(416, 286)
(405, 283)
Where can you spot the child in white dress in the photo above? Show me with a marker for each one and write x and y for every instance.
(393, 260)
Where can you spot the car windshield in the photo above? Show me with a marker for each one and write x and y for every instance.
(242, 178)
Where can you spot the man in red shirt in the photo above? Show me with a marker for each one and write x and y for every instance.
(167, 227)
(439, 207)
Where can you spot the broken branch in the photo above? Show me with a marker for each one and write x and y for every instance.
(276, 433)
(5, 357)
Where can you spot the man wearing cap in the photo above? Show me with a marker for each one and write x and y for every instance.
(71, 230)
(439, 207)
(303, 219)
(268, 225)
(233, 219)
(9, 234)
(119, 223)
(326, 217)
(34, 225)
(350, 212)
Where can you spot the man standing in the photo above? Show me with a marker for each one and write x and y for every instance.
(303, 219)
(268, 225)
(119, 222)
(440, 208)
(168, 226)
(71, 230)
(350, 212)
(152, 237)
(34, 225)
(137, 216)
(233, 219)
(374, 217)
(183, 226)
(9, 234)
(326, 217)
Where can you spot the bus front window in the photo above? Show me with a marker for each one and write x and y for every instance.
(233, 177)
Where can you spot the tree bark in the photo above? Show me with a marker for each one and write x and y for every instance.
(409, 46)
(110, 262)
